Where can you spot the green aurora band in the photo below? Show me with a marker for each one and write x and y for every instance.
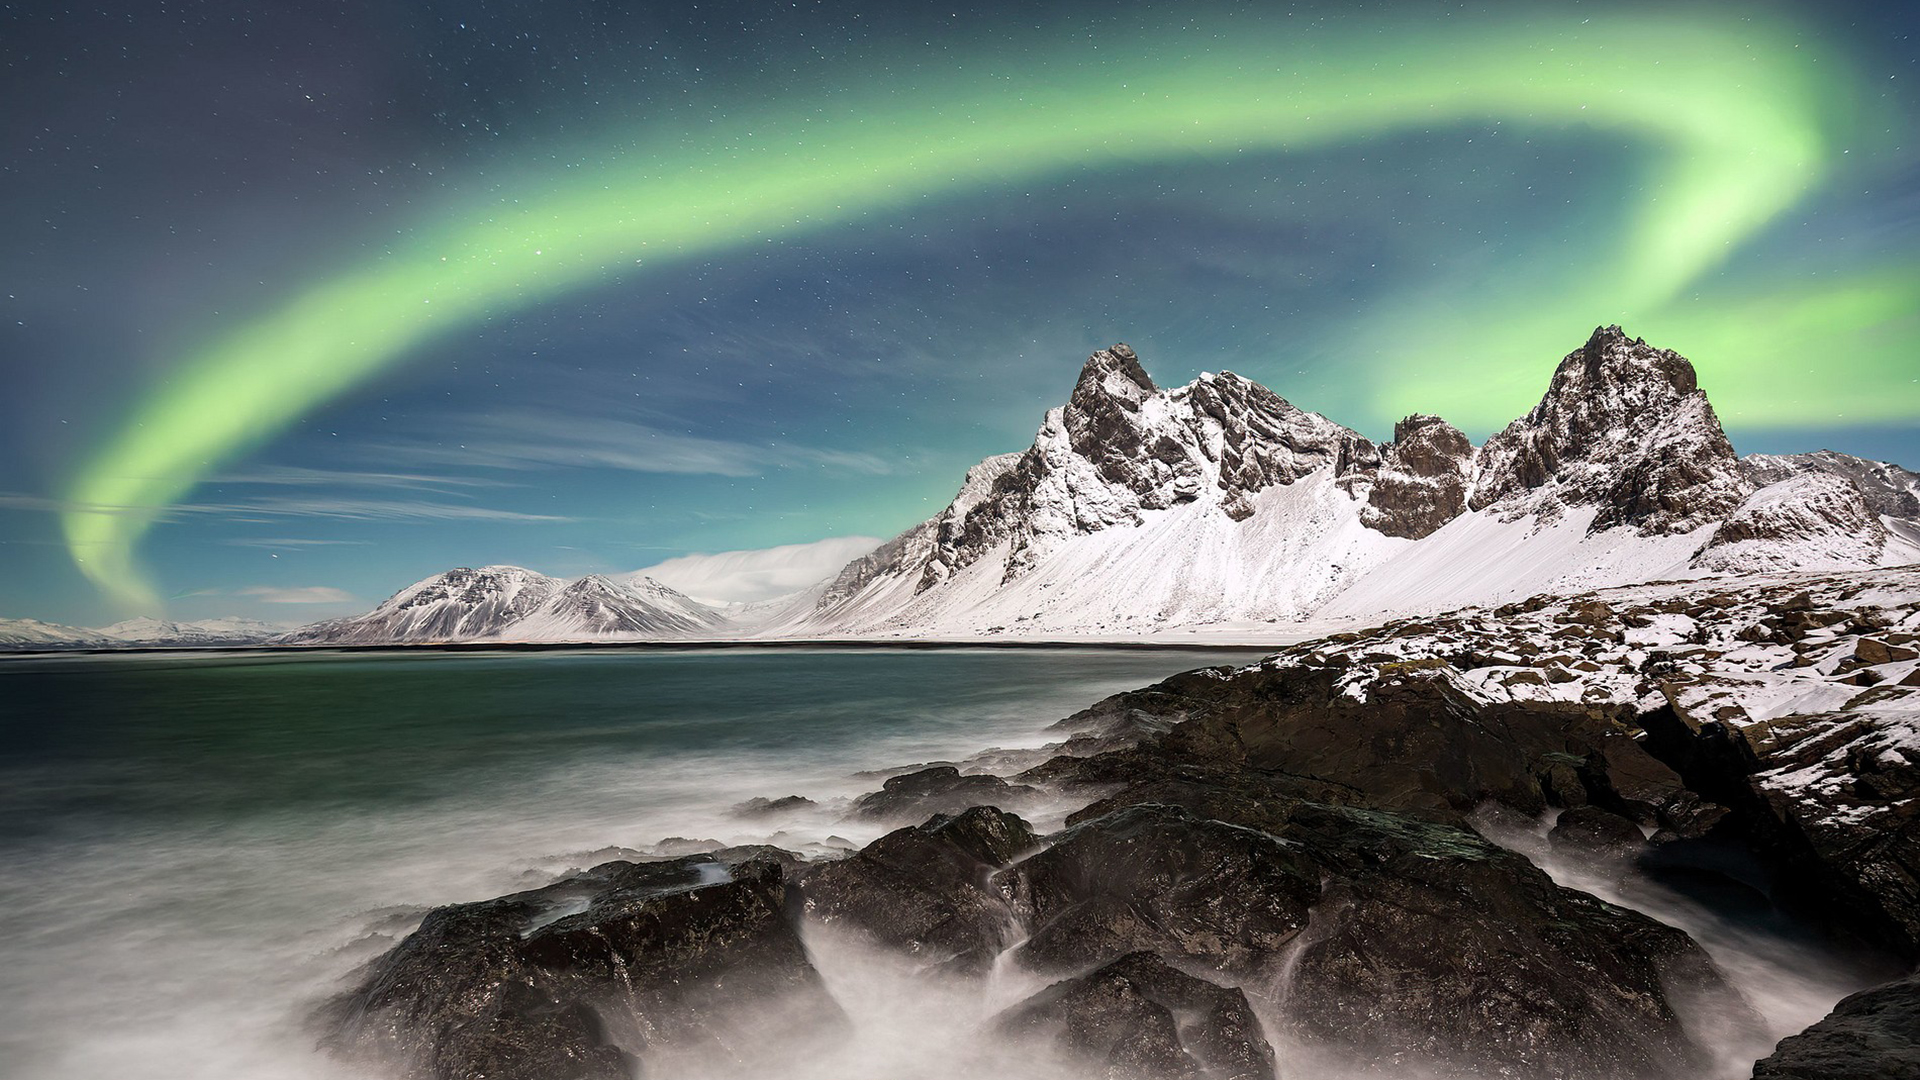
(1741, 120)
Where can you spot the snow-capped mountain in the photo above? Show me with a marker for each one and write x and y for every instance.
(137, 633)
(511, 603)
(34, 634)
(1219, 503)
(232, 630)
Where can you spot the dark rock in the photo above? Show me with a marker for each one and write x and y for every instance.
(1487, 966)
(1157, 878)
(1422, 479)
(942, 789)
(1533, 979)
(581, 979)
(1873, 1035)
(1872, 651)
(923, 890)
(1139, 1019)
(1845, 839)
(764, 807)
(1591, 829)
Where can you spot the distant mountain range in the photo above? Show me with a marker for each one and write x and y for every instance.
(1219, 506)
(137, 633)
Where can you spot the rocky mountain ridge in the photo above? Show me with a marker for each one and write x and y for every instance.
(1622, 472)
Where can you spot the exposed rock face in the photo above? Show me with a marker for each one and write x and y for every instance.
(1422, 480)
(1887, 488)
(1623, 427)
(923, 890)
(1139, 1019)
(1591, 830)
(1813, 520)
(1873, 1035)
(687, 956)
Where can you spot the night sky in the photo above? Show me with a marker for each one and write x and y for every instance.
(305, 301)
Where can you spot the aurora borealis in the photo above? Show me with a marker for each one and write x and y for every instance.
(1403, 208)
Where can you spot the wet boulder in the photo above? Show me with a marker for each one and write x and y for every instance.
(942, 789)
(588, 978)
(1382, 938)
(1139, 1019)
(1873, 1035)
(923, 890)
(760, 806)
(1475, 963)
(1159, 879)
(1591, 830)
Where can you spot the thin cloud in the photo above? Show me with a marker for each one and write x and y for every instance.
(270, 508)
(536, 440)
(307, 594)
(291, 542)
(363, 510)
(303, 476)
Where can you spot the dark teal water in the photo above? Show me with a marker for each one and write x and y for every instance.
(198, 846)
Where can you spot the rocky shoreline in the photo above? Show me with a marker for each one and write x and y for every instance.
(1291, 855)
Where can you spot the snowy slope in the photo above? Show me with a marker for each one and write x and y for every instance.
(1889, 490)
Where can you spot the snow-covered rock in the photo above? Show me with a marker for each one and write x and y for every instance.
(232, 630)
(596, 607)
(759, 575)
(1889, 490)
(1809, 521)
(1134, 505)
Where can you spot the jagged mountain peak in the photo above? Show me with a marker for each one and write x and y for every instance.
(1625, 428)
(1112, 376)
(1120, 448)
(1421, 482)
